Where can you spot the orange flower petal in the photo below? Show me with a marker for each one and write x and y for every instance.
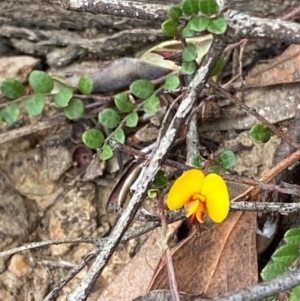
(200, 213)
(192, 207)
(215, 191)
(183, 189)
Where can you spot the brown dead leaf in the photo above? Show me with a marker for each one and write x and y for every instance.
(281, 70)
(222, 259)
(134, 280)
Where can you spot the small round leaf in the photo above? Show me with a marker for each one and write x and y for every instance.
(175, 12)
(160, 179)
(190, 7)
(198, 24)
(93, 138)
(106, 153)
(152, 193)
(198, 161)
(123, 103)
(109, 118)
(218, 67)
(11, 113)
(63, 97)
(75, 109)
(189, 53)
(273, 270)
(41, 82)
(35, 104)
(286, 254)
(189, 68)
(227, 159)
(142, 88)
(132, 120)
(215, 167)
(295, 294)
(85, 85)
(119, 135)
(209, 7)
(217, 26)
(187, 33)
(292, 236)
(170, 27)
(260, 133)
(172, 83)
(12, 88)
(151, 105)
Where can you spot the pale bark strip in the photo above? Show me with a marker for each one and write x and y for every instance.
(149, 173)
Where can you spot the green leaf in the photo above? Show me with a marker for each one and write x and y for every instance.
(12, 88)
(123, 103)
(10, 113)
(227, 159)
(186, 33)
(198, 24)
(215, 167)
(93, 138)
(35, 104)
(109, 118)
(120, 135)
(160, 179)
(151, 105)
(170, 27)
(190, 7)
(106, 153)
(189, 68)
(286, 254)
(85, 85)
(41, 82)
(292, 236)
(217, 26)
(75, 109)
(175, 12)
(152, 193)
(142, 88)
(295, 294)
(273, 270)
(132, 120)
(260, 133)
(198, 161)
(218, 67)
(209, 7)
(63, 97)
(189, 53)
(172, 83)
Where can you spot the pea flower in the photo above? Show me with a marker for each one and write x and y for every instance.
(200, 194)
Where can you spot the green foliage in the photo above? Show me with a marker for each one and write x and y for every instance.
(12, 88)
(187, 33)
(227, 159)
(189, 68)
(85, 85)
(286, 254)
(142, 88)
(63, 97)
(198, 24)
(152, 193)
(292, 236)
(218, 67)
(170, 27)
(295, 294)
(160, 179)
(172, 82)
(175, 12)
(214, 167)
(198, 161)
(132, 120)
(273, 270)
(106, 153)
(109, 118)
(260, 133)
(123, 103)
(217, 26)
(10, 113)
(190, 7)
(151, 105)
(189, 53)
(41, 82)
(75, 109)
(119, 135)
(35, 104)
(93, 138)
(208, 7)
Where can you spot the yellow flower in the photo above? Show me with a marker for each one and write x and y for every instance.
(200, 194)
